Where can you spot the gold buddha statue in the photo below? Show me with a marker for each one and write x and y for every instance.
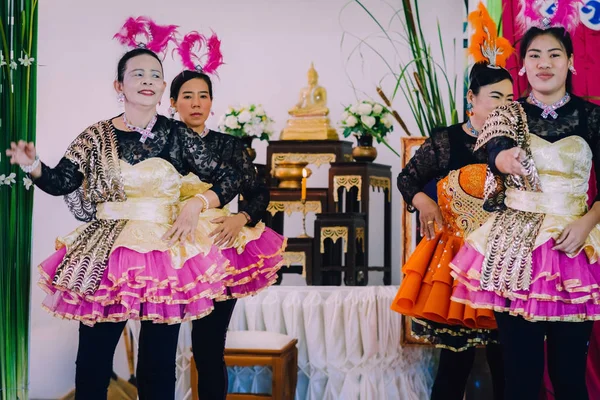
(309, 119)
(313, 98)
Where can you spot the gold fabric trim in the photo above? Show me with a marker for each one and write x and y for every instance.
(529, 316)
(381, 182)
(468, 210)
(310, 158)
(290, 207)
(360, 235)
(346, 181)
(334, 233)
(295, 258)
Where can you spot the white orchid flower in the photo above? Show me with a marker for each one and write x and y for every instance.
(26, 61)
(27, 182)
(10, 179)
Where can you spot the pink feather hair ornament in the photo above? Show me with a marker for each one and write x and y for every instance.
(199, 53)
(143, 32)
(546, 14)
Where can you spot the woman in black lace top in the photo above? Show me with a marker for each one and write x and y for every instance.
(191, 97)
(127, 178)
(448, 156)
(536, 262)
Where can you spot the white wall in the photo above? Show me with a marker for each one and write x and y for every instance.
(268, 46)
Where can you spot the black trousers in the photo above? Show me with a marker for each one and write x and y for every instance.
(523, 345)
(208, 346)
(454, 369)
(156, 360)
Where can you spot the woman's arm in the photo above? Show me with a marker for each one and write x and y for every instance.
(63, 179)
(190, 153)
(427, 164)
(254, 189)
(256, 199)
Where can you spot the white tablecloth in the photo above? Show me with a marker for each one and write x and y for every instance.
(348, 344)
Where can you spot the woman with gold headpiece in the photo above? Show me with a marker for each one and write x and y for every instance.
(535, 262)
(449, 156)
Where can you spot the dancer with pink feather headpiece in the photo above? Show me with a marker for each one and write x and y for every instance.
(191, 95)
(146, 187)
(535, 262)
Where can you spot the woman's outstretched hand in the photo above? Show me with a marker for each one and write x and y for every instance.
(23, 153)
(510, 161)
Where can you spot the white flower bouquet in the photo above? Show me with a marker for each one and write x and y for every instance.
(247, 121)
(368, 119)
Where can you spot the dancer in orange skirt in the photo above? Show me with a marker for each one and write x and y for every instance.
(448, 156)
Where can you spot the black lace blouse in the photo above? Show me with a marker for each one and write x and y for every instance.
(253, 188)
(445, 150)
(577, 117)
(173, 142)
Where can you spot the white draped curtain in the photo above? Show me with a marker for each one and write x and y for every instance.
(348, 345)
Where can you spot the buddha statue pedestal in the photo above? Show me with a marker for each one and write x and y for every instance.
(309, 128)
(309, 119)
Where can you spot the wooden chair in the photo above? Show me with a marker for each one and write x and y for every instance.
(250, 348)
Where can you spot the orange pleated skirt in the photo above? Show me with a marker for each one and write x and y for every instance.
(427, 286)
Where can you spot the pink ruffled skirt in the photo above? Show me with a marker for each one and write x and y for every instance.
(562, 288)
(146, 286)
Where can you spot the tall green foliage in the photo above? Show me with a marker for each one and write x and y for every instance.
(18, 45)
(421, 80)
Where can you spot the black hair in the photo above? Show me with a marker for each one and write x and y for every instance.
(560, 34)
(482, 75)
(122, 66)
(185, 76)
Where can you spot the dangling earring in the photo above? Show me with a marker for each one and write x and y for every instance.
(121, 98)
(172, 111)
(522, 71)
(212, 113)
(469, 110)
(572, 69)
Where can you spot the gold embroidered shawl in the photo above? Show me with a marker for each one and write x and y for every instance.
(507, 263)
(95, 151)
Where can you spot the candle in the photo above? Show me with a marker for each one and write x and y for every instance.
(304, 174)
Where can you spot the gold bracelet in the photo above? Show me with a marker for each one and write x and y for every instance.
(204, 201)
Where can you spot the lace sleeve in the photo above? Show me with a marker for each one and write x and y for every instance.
(594, 132)
(63, 179)
(190, 153)
(429, 162)
(494, 147)
(254, 188)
